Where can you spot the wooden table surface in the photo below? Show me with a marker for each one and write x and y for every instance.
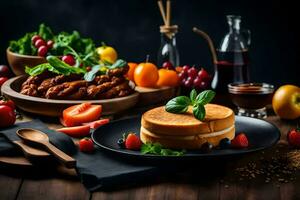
(211, 181)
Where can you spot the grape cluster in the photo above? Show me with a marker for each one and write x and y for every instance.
(190, 77)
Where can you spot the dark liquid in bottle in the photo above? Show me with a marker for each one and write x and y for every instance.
(232, 67)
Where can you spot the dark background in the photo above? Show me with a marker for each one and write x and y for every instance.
(132, 26)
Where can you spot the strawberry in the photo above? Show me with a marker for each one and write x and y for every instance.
(240, 141)
(86, 145)
(293, 137)
(133, 142)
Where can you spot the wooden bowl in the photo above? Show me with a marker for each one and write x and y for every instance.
(17, 62)
(151, 96)
(53, 108)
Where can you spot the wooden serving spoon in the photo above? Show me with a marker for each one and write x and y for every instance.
(30, 151)
(39, 138)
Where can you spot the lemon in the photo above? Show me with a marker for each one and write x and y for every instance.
(107, 53)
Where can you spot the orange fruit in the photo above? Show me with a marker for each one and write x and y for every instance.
(146, 75)
(286, 102)
(167, 78)
(130, 73)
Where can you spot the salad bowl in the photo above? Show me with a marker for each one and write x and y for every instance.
(17, 62)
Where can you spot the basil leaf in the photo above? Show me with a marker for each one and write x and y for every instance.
(199, 111)
(157, 149)
(193, 96)
(205, 97)
(63, 67)
(34, 71)
(118, 64)
(178, 104)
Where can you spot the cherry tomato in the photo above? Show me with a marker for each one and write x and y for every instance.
(86, 145)
(39, 42)
(9, 103)
(42, 51)
(4, 71)
(35, 38)
(2, 80)
(69, 59)
(7, 116)
(50, 44)
(83, 113)
(88, 68)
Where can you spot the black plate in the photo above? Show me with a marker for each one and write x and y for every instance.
(261, 135)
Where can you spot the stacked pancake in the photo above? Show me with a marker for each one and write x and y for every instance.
(184, 131)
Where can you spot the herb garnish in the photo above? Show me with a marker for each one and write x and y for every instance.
(157, 149)
(180, 104)
(54, 65)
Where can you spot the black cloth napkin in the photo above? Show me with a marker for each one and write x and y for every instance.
(96, 171)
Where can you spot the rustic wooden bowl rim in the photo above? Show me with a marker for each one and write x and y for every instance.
(6, 88)
(23, 56)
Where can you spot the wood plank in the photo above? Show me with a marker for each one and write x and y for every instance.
(9, 186)
(52, 188)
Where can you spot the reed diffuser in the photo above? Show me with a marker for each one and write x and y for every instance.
(168, 52)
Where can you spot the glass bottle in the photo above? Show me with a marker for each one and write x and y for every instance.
(233, 61)
(168, 48)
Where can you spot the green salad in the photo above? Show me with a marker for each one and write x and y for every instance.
(80, 53)
(83, 49)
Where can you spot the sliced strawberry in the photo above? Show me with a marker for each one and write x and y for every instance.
(294, 138)
(98, 123)
(240, 141)
(133, 142)
(76, 131)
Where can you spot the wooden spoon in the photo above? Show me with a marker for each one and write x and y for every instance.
(37, 137)
(30, 151)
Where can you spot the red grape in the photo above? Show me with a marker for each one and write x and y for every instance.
(42, 51)
(39, 42)
(69, 59)
(192, 72)
(35, 38)
(203, 85)
(203, 75)
(168, 65)
(50, 44)
(185, 68)
(197, 82)
(181, 76)
(188, 83)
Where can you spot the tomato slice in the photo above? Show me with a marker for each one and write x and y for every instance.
(98, 123)
(83, 113)
(76, 131)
